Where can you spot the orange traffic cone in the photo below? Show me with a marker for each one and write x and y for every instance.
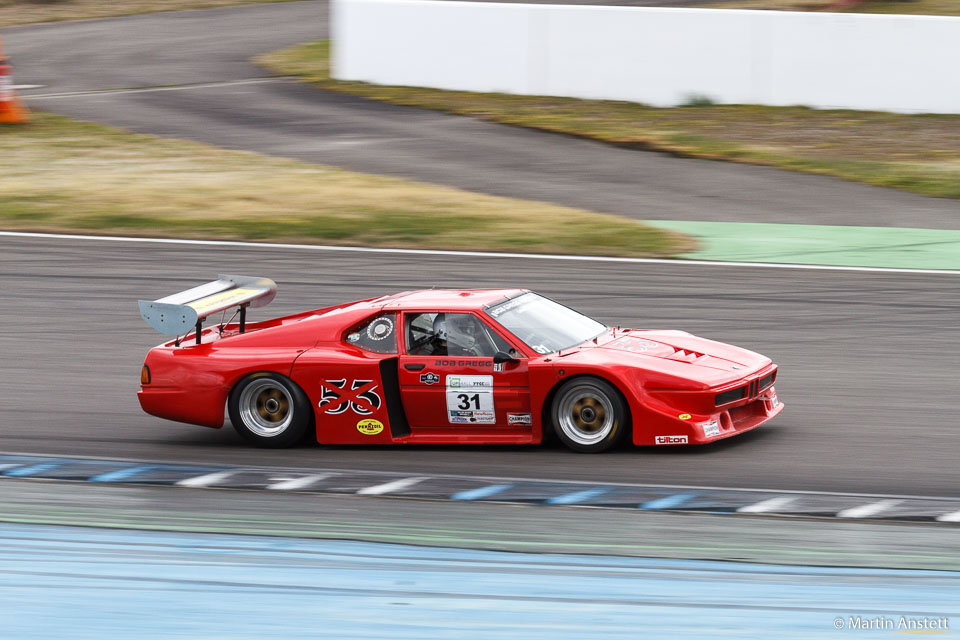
(10, 108)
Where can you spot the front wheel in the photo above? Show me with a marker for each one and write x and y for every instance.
(269, 410)
(589, 415)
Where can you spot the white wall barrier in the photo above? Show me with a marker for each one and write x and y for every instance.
(657, 56)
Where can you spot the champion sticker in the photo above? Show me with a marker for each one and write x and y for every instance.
(370, 427)
(671, 440)
(470, 400)
(519, 418)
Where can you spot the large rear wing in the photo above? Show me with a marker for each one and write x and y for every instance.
(181, 312)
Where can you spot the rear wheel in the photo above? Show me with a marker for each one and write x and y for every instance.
(269, 410)
(589, 415)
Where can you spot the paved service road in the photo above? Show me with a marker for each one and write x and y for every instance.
(867, 370)
(290, 119)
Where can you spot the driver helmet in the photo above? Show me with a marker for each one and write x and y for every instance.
(458, 329)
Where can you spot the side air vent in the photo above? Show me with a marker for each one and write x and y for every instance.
(685, 356)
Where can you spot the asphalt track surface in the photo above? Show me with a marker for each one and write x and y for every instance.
(866, 367)
(176, 52)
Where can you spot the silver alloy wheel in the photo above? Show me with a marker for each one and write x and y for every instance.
(585, 414)
(266, 407)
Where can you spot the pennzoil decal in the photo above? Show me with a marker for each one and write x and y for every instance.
(361, 397)
(370, 427)
(684, 416)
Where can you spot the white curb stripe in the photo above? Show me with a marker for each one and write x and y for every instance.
(389, 487)
(949, 517)
(868, 510)
(206, 480)
(766, 506)
(292, 484)
(477, 254)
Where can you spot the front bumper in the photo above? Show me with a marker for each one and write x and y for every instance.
(671, 426)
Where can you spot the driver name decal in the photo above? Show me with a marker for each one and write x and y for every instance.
(470, 400)
(464, 363)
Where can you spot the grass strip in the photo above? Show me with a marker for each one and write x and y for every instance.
(58, 174)
(919, 153)
(14, 12)
(910, 7)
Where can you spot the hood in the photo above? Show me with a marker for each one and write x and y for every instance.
(680, 346)
(670, 359)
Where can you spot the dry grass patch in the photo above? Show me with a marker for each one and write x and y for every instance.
(914, 7)
(919, 153)
(13, 12)
(58, 174)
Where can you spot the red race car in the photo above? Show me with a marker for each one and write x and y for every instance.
(490, 366)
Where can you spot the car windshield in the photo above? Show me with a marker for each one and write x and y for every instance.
(544, 325)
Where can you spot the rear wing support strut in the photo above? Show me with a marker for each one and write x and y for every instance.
(179, 313)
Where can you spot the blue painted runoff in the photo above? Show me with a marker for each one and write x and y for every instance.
(103, 584)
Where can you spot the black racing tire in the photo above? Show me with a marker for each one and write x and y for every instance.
(270, 410)
(589, 415)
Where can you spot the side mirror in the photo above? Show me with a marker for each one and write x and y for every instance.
(503, 357)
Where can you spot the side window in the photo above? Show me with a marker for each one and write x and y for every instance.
(378, 335)
(451, 334)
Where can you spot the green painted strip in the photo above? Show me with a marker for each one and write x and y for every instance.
(886, 247)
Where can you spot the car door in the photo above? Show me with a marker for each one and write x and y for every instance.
(449, 380)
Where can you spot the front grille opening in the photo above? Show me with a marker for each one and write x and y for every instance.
(767, 380)
(730, 396)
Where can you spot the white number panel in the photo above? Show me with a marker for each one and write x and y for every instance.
(470, 400)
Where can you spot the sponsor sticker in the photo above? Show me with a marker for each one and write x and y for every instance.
(497, 367)
(470, 400)
(684, 416)
(429, 378)
(370, 427)
(519, 418)
(774, 401)
(671, 440)
(711, 428)
(497, 311)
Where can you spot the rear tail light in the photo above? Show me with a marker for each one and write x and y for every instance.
(145, 375)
